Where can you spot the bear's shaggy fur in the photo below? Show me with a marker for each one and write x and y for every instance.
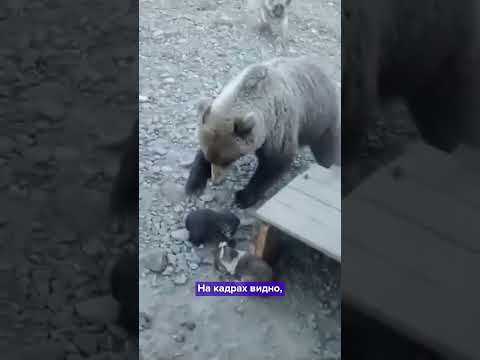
(425, 52)
(270, 109)
(124, 286)
(124, 194)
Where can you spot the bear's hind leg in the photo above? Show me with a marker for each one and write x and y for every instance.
(199, 174)
(269, 170)
(324, 148)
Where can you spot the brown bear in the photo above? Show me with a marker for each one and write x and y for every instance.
(270, 109)
(426, 52)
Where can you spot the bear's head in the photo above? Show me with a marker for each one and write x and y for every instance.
(231, 125)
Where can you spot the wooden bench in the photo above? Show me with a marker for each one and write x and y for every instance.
(413, 248)
(308, 209)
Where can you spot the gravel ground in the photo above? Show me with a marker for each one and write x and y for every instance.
(61, 94)
(188, 49)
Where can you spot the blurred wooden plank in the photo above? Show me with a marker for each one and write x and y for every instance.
(413, 250)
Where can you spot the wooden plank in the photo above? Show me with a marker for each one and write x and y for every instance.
(443, 173)
(325, 193)
(302, 217)
(309, 209)
(323, 176)
(442, 213)
(268, 244)
(468, 158)
(406, 245)
(260, 241)
(431, 314)
(426, 214)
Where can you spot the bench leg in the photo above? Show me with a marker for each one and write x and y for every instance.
(267, 244)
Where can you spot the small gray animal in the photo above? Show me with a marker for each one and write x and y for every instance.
(271, 17)
(252, 268)
(226, 258)
(241, 264)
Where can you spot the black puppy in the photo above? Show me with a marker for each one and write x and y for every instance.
(206, 225)
(124, 285)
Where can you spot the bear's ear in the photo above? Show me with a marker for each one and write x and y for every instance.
(203, 105)
(256, 75)
(243, 126)
(287, 2)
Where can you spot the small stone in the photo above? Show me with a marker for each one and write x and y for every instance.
(101, 309)
(155, 260)
(145, 321)
(53, 110)
(172, 192)
(180, 338)
(224, 20)
(62, 319)
(247, 221)
(160, 151)
(182, 264)
(180, 235)
(172, 259)
(75, 357)
(169, 270)
(239, 309)
(312, 321)
(94, 247)
(53, 351)
(190, 325)
(175, 248)
(209, 197)
(180, 279)
(205, 5)
(37, 226)
(86, 343)
(143, 98)
(187, 162)
(6, 178)
(194, 266)
(169, 80)
(118, 332)
(7, 145)
(66, 236)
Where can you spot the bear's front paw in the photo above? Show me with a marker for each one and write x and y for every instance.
(195, 185)
(245, 198)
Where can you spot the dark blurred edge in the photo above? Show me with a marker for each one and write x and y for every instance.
(371, 140)
(69, 179)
